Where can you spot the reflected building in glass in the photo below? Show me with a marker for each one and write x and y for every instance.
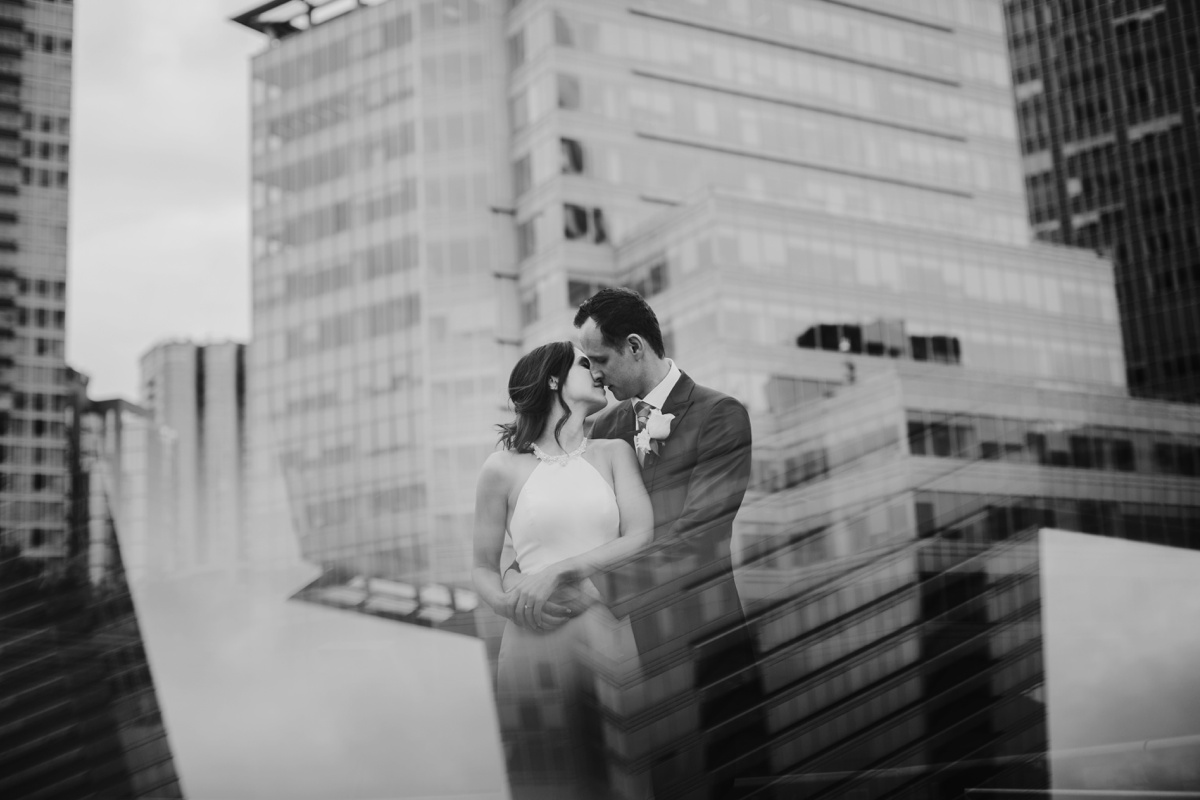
(1106, 96)
(823, 203)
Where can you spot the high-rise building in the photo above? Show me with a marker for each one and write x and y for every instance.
(194, 456)
(812, 195)
(35, 124)
(383, 276)
(1106, 96)
(435, 183)
(81, 717)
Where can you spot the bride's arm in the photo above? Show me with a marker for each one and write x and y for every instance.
(637, 530)
(491, 514)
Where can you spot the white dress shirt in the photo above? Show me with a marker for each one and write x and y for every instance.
(659, 394)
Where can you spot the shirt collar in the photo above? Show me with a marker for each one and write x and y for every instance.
(657, 396)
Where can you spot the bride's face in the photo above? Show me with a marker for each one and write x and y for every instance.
(581, 388)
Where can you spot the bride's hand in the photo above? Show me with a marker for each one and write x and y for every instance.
(529, 604)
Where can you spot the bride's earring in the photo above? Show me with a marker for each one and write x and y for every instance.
(554, 384)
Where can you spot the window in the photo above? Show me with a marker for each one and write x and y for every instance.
(575, 221)
(518, 111)
(516, 49)
(940, 431)
(1081, 452)
(1185, 460)
(916, 437)
(527, 238)
(600, 231)
(572, 156)
(656, 278)
(568, 92)
(522, 175)
(562, 31)
(529, 308)
(1123, 458)
(577, 292)
(1164, 457)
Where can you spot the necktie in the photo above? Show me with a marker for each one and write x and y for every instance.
(642, 409)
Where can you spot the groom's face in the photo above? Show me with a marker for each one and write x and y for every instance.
(616, 369)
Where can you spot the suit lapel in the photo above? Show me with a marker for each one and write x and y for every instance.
(678, 403)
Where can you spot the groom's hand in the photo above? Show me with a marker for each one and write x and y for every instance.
(558, 609)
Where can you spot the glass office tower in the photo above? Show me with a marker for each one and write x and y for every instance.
(35, 127)
(396, 145)
(382, 272)
(1106, 96)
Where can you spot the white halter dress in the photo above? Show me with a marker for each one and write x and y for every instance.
(549, 685)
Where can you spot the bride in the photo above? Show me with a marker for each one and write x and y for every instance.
(573, 507)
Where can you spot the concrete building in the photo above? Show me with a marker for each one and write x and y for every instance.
(1106, 97)
(391, 286)
(35, 128)
(195, 456)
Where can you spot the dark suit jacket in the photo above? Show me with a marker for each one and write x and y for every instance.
(696, 484)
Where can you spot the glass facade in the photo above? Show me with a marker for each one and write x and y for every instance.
(1105, 96)
(889, 552)
(35, 123)
(822, 203)
(379, 330)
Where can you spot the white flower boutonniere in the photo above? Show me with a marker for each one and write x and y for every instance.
(658, 428)
(659, 424)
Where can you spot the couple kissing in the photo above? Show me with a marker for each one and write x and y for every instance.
(621, 540)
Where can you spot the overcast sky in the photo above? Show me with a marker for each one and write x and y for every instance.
(159, 197)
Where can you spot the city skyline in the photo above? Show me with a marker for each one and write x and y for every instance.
(813, 196)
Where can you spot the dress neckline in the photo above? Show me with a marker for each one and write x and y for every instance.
(562, 460)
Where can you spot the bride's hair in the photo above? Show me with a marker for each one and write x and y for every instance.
(531, 396)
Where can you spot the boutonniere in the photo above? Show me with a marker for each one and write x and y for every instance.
(658, 428)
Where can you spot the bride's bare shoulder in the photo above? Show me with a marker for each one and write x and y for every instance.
(611, 448)
(499, 467)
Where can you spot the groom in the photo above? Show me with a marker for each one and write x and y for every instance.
(694, 447)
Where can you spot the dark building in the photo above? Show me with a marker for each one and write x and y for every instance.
(1106, 96)
(80, 715)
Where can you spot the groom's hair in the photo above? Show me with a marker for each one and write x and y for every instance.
(618, 313)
